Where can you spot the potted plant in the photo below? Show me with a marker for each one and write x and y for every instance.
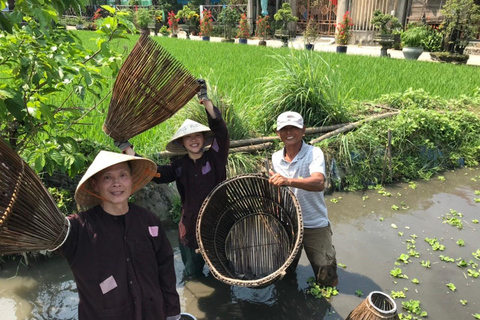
(143, 18)
(190, 19)
(412, 41)
(173, 24)
(228, 19)
(164, 31)
(460, 24)
(262, 29)
(158, 21)
(79, 23)
(284, 16)
(386, 24)
(243, 30)
(344, 32)
(206, 25)
(310, 34)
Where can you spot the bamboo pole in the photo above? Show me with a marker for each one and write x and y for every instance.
(352, 126)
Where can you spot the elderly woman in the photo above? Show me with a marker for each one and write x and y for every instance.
(119, 253)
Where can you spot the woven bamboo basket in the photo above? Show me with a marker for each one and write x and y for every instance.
(29, 217)
(249, 231)
(377, 306)
(151, 86)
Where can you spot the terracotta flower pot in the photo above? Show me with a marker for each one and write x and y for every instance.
(262, 43)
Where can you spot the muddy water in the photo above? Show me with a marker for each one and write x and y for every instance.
(369, 236)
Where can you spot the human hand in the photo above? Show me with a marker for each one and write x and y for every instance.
(123, 145)
(277, 179)
(202, 92)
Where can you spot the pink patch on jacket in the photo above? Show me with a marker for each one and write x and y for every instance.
(153, 231)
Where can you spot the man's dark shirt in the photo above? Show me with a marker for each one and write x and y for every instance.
(123, 265)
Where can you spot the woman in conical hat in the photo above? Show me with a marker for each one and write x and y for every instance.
(195, 174)
(120, 256)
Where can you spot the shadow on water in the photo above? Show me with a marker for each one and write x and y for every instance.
(371, 230)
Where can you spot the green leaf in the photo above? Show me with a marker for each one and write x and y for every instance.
(47, 113)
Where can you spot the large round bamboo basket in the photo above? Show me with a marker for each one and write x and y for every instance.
(249, 231)
(29, 217)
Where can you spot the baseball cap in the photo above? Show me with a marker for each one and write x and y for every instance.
(289, 118)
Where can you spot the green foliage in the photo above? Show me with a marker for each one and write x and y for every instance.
(414, 36)
(413, 306)
(320, 292)
(433, 42)
(284, 15)
(176, 210)
(49, 76)
(306, 83)
(385, 23)
(64, 200)
(144, 17)
(460, 24)
(310, 34)
(228, 18)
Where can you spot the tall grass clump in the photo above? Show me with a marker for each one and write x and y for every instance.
(306, 83)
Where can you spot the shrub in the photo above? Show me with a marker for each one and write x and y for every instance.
(414, 36)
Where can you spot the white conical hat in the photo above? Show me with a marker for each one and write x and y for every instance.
(143, 170)
(188, 127)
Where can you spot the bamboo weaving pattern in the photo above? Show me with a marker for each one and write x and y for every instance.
(151, 86)
(29, 217)
(377, 306)
(249, 231)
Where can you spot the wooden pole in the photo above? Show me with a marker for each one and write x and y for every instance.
(352, 126)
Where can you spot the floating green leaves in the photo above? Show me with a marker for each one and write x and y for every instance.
(320, 292)
(451, 286)
(436, 246)
(446, 258)
(460, 242)
(397, 294)
(413, 306)
(453, 219)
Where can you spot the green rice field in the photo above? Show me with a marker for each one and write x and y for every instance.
(238, 71)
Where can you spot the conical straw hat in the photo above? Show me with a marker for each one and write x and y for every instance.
(188, 127)
(143, 170)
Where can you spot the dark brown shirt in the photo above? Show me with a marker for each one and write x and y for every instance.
(123, 265)
(195, 179)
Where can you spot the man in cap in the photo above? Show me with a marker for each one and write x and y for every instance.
(120, 256)
(301, 167)
(195, 174)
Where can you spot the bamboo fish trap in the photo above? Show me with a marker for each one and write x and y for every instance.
(29, 218)
(151, 86)
(249, 231)
(377, 306)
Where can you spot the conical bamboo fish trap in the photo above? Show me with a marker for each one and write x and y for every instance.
(377, 306)
(29, 218)
(249, 231)
(150, 87)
